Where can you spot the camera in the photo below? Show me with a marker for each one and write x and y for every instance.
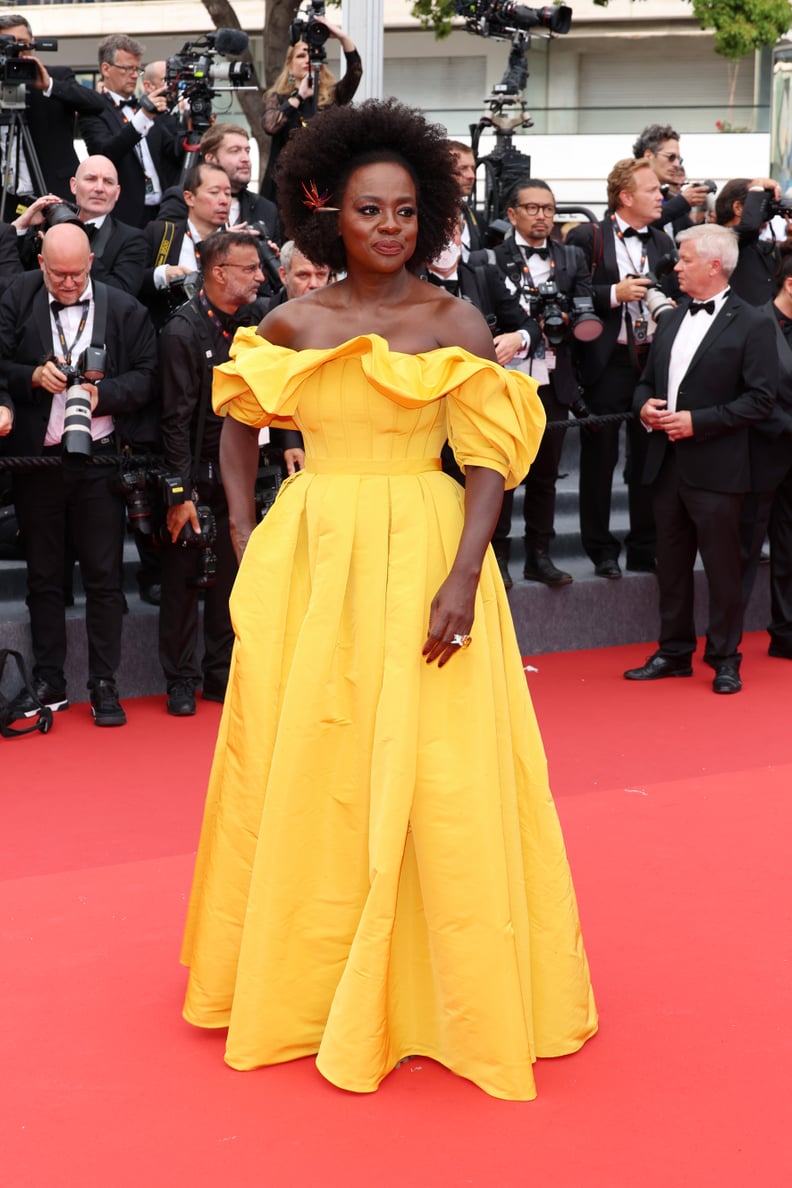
(77, 441)
(655, 300)
(202, 542)
(60, 212)
(306, 28)
(195, 75)
(772, 206)
(16, 70)
(561, 315)
(502, 18)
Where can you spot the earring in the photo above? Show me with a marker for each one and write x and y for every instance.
(291, 79)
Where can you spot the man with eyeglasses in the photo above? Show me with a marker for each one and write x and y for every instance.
(52, 102)
(142, 140)
(659, 144)
(192, 343)
(47, 320)
(526, 260)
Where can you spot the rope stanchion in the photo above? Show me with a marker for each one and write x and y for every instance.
(589, 422)
(38, 463)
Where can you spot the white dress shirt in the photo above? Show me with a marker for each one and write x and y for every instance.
(70, 317)
(689, 337)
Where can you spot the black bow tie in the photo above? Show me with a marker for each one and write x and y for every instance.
(642, 235)
(451, 285)
(57, 306)
(132, 102)
(543, 253)
(90, 230)
(696, 306)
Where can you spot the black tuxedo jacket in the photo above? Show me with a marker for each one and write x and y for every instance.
(159, 302)
(120, 254)
(770, 440)
(106, 133)
(126, 393)
(10, 261)
(51, 124)
(730, 385)
(598, 244)
(571, 276)
(475, 229)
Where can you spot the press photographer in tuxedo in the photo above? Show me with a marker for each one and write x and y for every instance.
(711, 374)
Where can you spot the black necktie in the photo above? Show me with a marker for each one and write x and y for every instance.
(696, 306)
(642, 235)
(90, 230)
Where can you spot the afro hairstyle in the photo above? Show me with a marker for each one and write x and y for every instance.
(341, 139)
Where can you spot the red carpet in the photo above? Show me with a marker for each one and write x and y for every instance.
(676, 808)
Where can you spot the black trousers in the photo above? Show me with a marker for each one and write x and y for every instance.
(49, 502)
(780, 533)
(540, 482)
(179, 620)
(691, 520)
(599, 455)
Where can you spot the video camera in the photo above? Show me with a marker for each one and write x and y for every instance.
(561, 314)
(307, 29)
(502, 18)
(194, 74)
(14, 69)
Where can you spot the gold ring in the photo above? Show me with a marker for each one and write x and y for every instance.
(462, 641)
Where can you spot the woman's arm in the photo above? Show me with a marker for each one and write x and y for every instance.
(452, 608)
(239, 455)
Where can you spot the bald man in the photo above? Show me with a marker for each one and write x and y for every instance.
(47, 319)
(119, 251)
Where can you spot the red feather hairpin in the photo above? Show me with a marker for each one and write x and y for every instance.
(314, 200)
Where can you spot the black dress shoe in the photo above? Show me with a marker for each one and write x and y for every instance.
(151, 594)
(25, 706)
(641, 566)
(105, 706)
(727, 678)
(659, 666)
(181, 700)
(609, 568)
(780, 650)
(539, 568)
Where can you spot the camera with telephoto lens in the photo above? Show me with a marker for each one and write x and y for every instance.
(195, 75)
(655, 300)
(307, 29)
(77, 441)
(173, 494)
(560, 315)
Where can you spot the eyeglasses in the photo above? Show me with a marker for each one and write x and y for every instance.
(672, 158)
(136, 70)
(534, 208)
(250, 268)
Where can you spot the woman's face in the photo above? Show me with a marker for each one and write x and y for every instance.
(378, 218)
(299, 61)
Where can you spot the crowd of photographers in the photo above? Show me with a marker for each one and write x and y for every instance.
(125, 281)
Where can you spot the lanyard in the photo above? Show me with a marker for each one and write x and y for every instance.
(213, 316)
(525, 252)
(620, 235)
(67, 350)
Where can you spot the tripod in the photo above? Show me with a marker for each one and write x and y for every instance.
(13, 117)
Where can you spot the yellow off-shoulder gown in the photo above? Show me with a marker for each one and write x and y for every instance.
(381, 871)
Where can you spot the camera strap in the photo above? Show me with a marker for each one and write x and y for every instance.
(165, 243)
(99, 332)
(66, 350)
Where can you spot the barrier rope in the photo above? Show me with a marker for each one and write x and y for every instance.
(590, 422)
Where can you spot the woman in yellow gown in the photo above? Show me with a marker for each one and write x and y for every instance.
(381, 871)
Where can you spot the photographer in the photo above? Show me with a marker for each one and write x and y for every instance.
(47, 321)
(747, 206)
(142, 140)
(291, 101)
(53, 100)
(529, 261)
(620, 250)
(194, 341)
(659, 145)
(174, 248)
(119, 252)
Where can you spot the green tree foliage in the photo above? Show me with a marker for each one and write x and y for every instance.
(741, 26)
